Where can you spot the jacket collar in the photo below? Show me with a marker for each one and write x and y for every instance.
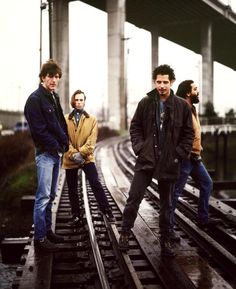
(47, 93)
(154, 95)
(83, 113)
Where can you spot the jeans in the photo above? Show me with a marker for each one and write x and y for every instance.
(140, 182)
(91, 174)
(198, 172)
(48, 167)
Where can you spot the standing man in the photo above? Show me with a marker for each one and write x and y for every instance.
(48, 130)
(161, 135)
(82, 130)
(194, 166)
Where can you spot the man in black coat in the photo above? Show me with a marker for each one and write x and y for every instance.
(161, 135)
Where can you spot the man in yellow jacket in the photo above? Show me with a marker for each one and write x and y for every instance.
(82, 131)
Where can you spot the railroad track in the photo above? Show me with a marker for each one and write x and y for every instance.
(89, 257)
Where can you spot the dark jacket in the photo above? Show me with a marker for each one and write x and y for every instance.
(46, 122)
(144, 134)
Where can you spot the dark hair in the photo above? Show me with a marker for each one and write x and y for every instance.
(50, 68)
(184, 88)
(72, 100)
(163, 70)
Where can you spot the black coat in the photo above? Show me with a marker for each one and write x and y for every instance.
(46, 121)
(179, 135)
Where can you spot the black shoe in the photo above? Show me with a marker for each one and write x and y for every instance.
(211, 222)
(124, 241)
(54, 238)
(174, 237)
(108, 213)
(167, 249)
(45, 245)
(75, 221)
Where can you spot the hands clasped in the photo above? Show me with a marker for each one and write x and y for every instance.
(77, 158)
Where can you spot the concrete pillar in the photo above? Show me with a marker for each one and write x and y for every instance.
(207, 63)
(117, 108)
(155, 49)
(60, 46)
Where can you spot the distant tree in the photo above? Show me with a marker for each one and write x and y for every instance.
(230, 113)
(209, 109)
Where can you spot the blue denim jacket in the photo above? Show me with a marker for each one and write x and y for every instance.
(46, 122)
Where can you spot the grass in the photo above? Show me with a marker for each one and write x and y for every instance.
(21, 182)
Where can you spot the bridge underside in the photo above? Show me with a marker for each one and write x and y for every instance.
(181, 22)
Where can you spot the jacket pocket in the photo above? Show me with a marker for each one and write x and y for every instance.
(49, 113)
(171, 165)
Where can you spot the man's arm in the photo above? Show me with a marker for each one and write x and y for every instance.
(136, 130)
(89, 146)
(186, 141)
(38, 126)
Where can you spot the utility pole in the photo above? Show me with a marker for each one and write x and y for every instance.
(43, 6)
(50, 27)
(125, 39)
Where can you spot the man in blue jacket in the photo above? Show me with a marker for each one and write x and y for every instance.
(49, 133)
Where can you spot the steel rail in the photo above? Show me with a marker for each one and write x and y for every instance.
(95, 248)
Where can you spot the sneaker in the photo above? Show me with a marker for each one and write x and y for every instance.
(174, 237)
(75, 222)
(45, 245)
(54, 238)
(108, 213)
(124, 241)
(167, 249)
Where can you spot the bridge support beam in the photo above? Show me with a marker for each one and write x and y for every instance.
(117, 106)
(155, 49)
(60, 46)
(207, 63)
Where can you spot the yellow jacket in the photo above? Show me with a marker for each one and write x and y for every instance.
(197, 147)
(81, 139)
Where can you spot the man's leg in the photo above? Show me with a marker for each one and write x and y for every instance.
(204, 181)
(185, 171)
(91, 173)
(165, 188)
(43, 200)
(138, 186)
(55, 174)
(72, 182)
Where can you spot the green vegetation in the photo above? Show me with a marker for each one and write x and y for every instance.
(18, 184)
(209, 109)
(18, 178)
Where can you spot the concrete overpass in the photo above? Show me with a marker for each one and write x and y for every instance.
(206, 27)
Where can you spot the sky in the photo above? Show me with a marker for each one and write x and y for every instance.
(20, 57)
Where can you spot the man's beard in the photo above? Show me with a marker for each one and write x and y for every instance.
(195, 99)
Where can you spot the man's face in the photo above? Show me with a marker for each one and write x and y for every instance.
(163, 85)
(51, 82)
(194, 94)
(79, 101)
